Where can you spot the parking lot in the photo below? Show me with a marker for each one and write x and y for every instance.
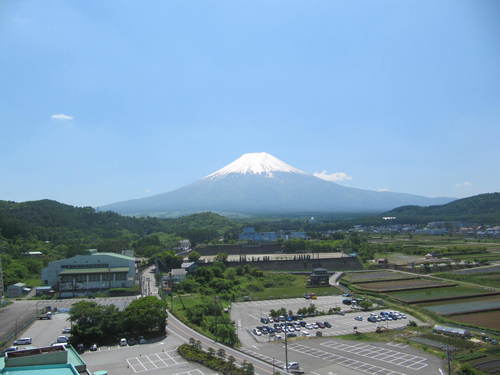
(323, 356)
(247, 316)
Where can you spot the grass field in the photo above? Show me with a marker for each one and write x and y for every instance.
(491, 279)
(413, 296)
(389, 286)
(463, 305)
(358, 277)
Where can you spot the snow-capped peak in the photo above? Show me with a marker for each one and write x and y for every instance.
(255, 163)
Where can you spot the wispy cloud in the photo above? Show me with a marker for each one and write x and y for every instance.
(463, 184)
(333, 177)
(61, 116)
(381, 190)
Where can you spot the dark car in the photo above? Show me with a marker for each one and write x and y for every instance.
(292, 334)
(327, 325)
(320, 325)
(80, 348)
(132, 342)
(264, 320)
(302, 323)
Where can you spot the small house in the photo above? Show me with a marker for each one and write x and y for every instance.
(16, 290)
(319, 276)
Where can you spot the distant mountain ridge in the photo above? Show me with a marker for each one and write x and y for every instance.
(259, 183)
(482, 208)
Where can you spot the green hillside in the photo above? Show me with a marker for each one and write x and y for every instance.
(482, 209)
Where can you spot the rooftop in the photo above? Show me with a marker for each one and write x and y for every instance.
(75, 271)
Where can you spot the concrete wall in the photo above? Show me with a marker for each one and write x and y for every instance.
(331, 264)
(240, 249)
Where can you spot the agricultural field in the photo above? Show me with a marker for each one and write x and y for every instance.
(463, 305)
(415, 296)
(390, 286)
(366, 276)
(491, 279)
(487, 319)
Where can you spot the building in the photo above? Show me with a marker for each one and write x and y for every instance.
(177, 275)
(43, 291)
(451, 331)
(86, 274)
(189, 266)
(319, 276)
(16, 290)
(51, 360)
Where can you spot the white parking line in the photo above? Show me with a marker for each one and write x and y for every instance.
(153, 361)
(381, 354)
(343, 361)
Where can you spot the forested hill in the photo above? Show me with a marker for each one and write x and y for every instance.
(53, 221)
(483, 208)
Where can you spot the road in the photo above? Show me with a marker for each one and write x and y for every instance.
(183, 332)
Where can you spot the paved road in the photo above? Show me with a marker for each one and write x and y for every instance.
(45, 332)
(184, 333)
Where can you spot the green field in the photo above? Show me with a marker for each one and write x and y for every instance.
(491, 279)
(411, 296)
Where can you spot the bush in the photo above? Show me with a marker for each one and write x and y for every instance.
(113, 292)
(196, 354)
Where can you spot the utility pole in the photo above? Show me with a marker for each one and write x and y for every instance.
(1, 283)
(286, 348)
(448, 358)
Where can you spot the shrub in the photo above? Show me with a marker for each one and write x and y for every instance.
(196, 354)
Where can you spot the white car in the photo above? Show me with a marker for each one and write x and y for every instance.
(62, 339)
(257, 332)
(23, 341)
(123, 342)
(315, 326)
(309, 326)
(305, 333)
(292, 366)
(271, 320)
(66, 330)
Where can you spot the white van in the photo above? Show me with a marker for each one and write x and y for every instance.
(23, 341)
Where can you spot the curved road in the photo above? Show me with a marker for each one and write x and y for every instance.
(176, 327)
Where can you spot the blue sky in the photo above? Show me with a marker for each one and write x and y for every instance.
(153, 95)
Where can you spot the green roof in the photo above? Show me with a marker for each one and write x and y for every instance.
(75, 271)
(40, 370)
(116, 255)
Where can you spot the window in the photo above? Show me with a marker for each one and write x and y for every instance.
(95, 277)
(107, 277)
(66, 278)
(81, 278)
(121, 276)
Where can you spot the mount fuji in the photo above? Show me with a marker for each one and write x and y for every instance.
(259, 183)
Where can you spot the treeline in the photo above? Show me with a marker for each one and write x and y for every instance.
(105, 324)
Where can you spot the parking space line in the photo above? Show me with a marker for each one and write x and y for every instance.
(344, 361)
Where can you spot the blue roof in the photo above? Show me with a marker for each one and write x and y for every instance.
(43, 287)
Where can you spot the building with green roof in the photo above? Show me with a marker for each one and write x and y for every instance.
(51, 360)
(86, 274)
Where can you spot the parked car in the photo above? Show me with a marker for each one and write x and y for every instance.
(23, 341)
(257, 332)
(93, 347)
(66, 330)
(305, 333)
(132, 341)
(10, 349)
(142, 340)
(292, 366)
(62, 339)
(358, 318)
(264, 320)
(123, 342)
(372, 319)
(80, 348)
(327, 325)
(320, 325)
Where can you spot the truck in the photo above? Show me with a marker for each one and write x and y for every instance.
(45, 313)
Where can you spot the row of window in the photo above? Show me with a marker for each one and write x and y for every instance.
(82, 278)
(73, 266)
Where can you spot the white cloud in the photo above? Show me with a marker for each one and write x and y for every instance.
(333, 177)
(147, 190)
(61, 116)
(382, 190)
(463, 184)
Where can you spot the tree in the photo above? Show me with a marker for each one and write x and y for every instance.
(231, 360)
(221, 353)
(365, 304)
(221, 257)
(194, 256)
(168, 260)
(211, 351)
(145, 315)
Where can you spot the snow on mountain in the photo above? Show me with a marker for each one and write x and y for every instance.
(255, 163)
(259, 183)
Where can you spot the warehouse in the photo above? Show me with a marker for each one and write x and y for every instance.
(86, 274)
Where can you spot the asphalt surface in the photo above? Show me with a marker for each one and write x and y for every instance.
(325, 356)
(45, 332)
(247, 316)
